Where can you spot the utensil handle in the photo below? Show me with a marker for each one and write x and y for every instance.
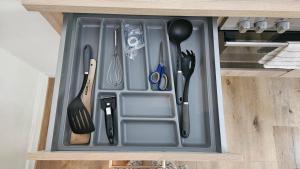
(87, 53)
(109, 126)
(163, 82)
(179, 56)
(87, 92)
(179, 87)
(185, 130)
(179, 78)
(186, 90)
(154, 77)
(115, 37)
(85, 77)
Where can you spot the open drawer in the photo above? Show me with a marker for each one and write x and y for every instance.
(147, 122)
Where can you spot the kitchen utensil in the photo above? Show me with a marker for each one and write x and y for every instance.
(115, 72)
(108, 105)
(179, 30)
(79, 118)
(79, 110)
(188, 67)
(159, 77)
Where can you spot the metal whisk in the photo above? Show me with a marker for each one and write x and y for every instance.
(115, 71)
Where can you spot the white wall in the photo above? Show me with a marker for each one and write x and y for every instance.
(20, 85)
(28, 36)
(28, 55)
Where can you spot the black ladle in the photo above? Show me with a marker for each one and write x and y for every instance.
(188, 67)
(179, 30)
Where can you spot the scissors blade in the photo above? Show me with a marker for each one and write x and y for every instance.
(161, 54)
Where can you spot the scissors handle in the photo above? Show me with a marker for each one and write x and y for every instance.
(159, 77)
(154, 77)
(163, 83)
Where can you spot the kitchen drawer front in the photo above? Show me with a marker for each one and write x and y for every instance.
(139, 128)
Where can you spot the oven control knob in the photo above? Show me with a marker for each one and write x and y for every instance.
(260, 26)
(244, 26)
(282, 26)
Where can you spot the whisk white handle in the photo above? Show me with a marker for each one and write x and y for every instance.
(115, 36)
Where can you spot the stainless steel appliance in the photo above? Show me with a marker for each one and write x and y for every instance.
(243, 44)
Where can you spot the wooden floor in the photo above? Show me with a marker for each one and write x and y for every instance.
(262, 117)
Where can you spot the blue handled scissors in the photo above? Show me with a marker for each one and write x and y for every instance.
(159, 77)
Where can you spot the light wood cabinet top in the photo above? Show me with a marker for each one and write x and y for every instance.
(266, 8)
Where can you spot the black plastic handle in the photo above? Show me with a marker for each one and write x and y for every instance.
(109, 125)
(185, 130)
(179, 56)
(179, 77)
(185, 124)
(186, 90)
(87, 55)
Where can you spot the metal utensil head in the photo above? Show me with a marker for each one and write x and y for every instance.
(161, 54)
(108, 100)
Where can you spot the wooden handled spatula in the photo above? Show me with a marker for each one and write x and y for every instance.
(79, 110)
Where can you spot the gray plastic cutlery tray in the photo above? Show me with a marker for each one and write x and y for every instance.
(145, 119)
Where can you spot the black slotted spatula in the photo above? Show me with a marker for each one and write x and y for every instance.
(78, 114)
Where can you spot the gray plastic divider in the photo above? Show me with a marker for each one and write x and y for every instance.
(123, 56)
(107, 54)
(154, 105)
(155, 31)
(136, 64)
(146, 54)
(100, 133)
(145, 119)
(200, 101)
(96, 83)
(149, 133)
(171, 78)
(87, 32)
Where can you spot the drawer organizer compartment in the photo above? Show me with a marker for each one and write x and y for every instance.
(144, 118)
(149, 133)
(147, 105)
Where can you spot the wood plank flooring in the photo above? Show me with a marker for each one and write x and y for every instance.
(262, 117)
